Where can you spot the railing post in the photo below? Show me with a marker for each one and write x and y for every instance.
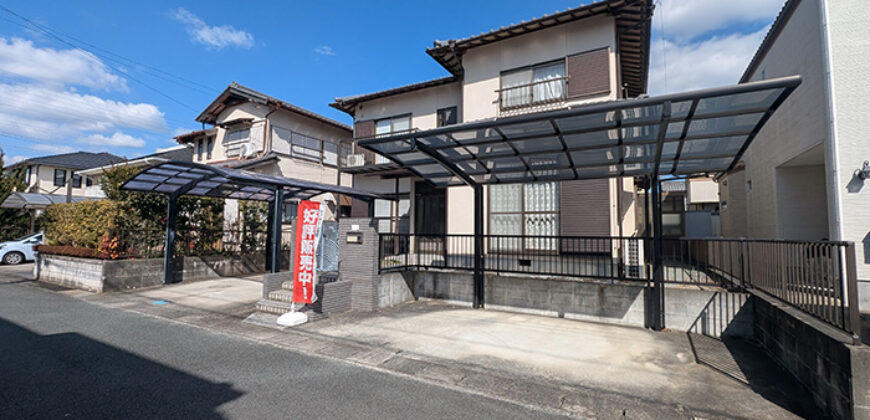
(851, 288)
(479, 286)
(658, 292)
(275, 230)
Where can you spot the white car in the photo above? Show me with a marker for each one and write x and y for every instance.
(21, 249)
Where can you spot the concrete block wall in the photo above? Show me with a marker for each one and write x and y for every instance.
(837, 374)
(358, 263)
(708, 312)
(393, 289)
(79, 273)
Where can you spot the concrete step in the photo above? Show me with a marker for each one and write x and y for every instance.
(287, 285)
(273, 306)
(281, 295)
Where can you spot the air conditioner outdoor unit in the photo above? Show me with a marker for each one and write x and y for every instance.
(356, 160)
(248, 150)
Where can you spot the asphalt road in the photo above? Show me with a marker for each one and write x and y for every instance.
(63, 357)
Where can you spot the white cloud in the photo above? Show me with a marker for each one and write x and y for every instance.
(21, 59)
(52, 148)
(684, 20)
(324, 50)
(37, 112)
(213, 37)
(15, 159)
(118, 139)
(714, 62)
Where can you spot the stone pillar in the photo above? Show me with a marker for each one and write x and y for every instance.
(358, 262)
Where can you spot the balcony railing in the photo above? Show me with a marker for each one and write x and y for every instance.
(817, 278)
(531, 94)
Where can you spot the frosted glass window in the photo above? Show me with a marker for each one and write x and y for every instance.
(505, 198)
(383, 208)
(237, 135)
(330, 153)
(542, 197)
(281, 140)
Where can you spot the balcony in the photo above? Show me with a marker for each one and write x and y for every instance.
(537, 96)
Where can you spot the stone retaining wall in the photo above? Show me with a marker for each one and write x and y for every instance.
(821, 357)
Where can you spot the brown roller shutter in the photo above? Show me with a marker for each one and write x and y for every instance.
(589, 73)
(362, 129)
(585, 211)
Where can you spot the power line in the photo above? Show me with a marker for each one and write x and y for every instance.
(93, 57)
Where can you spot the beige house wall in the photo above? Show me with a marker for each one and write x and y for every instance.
(421, 104)
(483, 65)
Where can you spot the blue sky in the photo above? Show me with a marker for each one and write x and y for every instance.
(125, 77)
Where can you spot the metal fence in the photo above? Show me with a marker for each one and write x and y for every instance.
(815, 277)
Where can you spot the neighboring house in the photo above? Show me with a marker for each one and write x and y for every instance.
(690, 208)
(182, 152)
(49, 174)
(259, 133)
(596, 52)
(800, 177)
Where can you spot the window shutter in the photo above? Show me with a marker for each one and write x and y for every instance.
(589, 73)
(585, 210)
(364, 129)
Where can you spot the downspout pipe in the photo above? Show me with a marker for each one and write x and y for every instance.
(833, 157)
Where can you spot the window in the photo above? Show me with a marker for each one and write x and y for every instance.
(389, 126)
(531, 85)
(199, 149)
(89, 182)
(447, 116)
(392, 216)
(237, 135)
(330, 153)
(27, 175)
(59, 177)
(209, 148)
(76, 181)
(345, 150)
(306, 147)
(524, 210)
(290, 211)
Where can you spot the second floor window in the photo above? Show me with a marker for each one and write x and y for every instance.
(447, 116)
(392, 125)
(209, 147)
(199, 149)
(306, 147)
(537, 84)
(237, 135)
(59, 177)
(29, 171)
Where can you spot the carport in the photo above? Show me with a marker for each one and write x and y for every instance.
(178, 178)
(689, 134)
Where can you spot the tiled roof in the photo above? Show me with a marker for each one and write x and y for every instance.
(236, 93)
(348, 103)
(76, 160)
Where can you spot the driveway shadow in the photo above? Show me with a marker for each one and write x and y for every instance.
(70, 375)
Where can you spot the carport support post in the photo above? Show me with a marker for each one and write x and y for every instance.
(478, 247)
(277, 213)
(169, 246)
(658, 292)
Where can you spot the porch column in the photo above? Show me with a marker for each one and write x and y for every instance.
(479, 285)
(657, 295)
(169, 244)
(276, 212)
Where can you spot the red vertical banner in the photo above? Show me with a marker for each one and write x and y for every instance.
(309, 218)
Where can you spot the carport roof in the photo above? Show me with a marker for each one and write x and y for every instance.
(179, 177)
(694, 133)
(20, 200)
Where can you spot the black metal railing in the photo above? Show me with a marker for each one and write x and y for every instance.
(534, 93)
(815, 277)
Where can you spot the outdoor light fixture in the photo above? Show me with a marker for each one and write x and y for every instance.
(864, 172)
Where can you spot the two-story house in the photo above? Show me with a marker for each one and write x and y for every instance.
(595, 52)
(55, 174)
(256, 132)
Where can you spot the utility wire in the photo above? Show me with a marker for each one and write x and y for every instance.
(93, 57)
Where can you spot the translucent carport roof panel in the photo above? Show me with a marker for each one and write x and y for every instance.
(692, 133)
(177, 177)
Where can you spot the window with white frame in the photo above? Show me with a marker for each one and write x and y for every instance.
(237, 135)
(524, 210)
(535, 84)
(306, 147)
(388, 126)
(330, 153)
